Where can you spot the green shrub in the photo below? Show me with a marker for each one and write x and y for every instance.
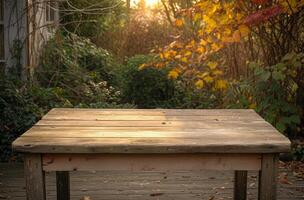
(298, 152)
(272, 91)
(75, 71)
(18, 113)
(147, 88)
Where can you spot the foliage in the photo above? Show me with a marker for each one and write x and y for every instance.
(76, 69)
(207, 28)
(90, 18)
(72, 73)
(141, 31)
(18, 113)
(272, 92)
(298, 152)
(147, 88)
(187, 96)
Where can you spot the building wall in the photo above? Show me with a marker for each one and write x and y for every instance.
(15, 33)
(26, 26)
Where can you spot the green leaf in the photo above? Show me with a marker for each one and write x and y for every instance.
(295, 119)
(265, 76)
(280, 66)
(277, 75)
(281, 127)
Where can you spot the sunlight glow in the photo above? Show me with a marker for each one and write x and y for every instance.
(149, 3)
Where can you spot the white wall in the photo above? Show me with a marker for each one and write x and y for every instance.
(25, 20)
(15, 28)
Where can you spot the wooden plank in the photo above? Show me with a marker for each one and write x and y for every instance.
(63, 185)
(215, 144)
(140, 133)
(240, 185)
(34, 177)
(151, 112)
(268, 176)
(150, 118)
(164, 123)
(266, 134)
(150, 162)
(218, 126)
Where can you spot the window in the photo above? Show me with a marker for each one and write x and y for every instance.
(2, 49)
(50, 11)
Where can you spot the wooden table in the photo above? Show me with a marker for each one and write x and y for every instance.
(109, 139)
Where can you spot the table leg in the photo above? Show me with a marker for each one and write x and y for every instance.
(34, 177)
(240, 185)
(63, 185)
(267, 177)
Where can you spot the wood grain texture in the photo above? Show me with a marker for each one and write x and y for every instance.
(150, 162)
(152, 131)
(268, 176)
(162, 123)
(240, 185)
(148, 145)
(63, 185)
(150, 112)
(34, 177)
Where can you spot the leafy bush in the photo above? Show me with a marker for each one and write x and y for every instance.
(272, 91)
(147, 88)
(18, 113)
(298, 152)
(73, 73)
(76, 71)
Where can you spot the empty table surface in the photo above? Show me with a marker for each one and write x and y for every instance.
(65, 130)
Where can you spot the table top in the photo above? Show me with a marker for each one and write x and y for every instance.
(70, 130)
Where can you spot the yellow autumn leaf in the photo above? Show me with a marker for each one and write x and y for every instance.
(252, 106)
(200, 50)
(203, 42)
(211, 22)
(197, 17)
(173, 74)
(199, 84)
(215, 47)
(244, 30)
(179, 22)
(221, 85)
(209, 39)
(184, 59)
(202, 75)
(217, 72)
(142, 66)
(208, 79)
(188, 53)
(161, 55)
(212, 65)
(166, 55)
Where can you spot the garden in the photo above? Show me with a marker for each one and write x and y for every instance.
(165, 54)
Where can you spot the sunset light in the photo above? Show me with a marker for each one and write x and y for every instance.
(151, 2)
(148, 3)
